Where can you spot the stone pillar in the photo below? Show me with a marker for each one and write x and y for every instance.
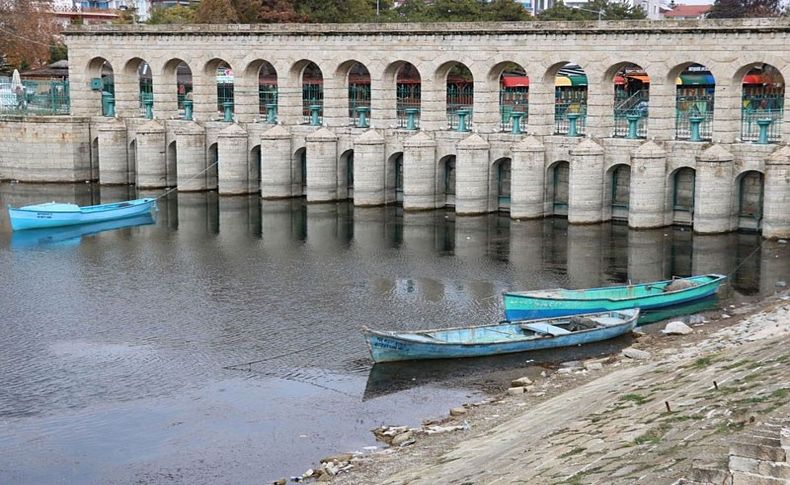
(527, 179)
(321, 166)
(471, 176)
(713, 191)
(585, 187)
(383, 103)
(433, 102)
(541, 106)
(276, 163)
(191, 173)
(369, 169)
(486, 117)
(335, 101)
(151, 162)
(232, 154)
(647, 193)
(661, 118)
(165, 95)
(776, 198)
(289, 98)
(204, 96)
(727, 111)
(419, 172)
(246, 102)
(113, 161)
(600, 107)
(127, 93)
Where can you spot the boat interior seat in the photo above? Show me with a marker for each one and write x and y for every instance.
(607, 321)
(544, 328)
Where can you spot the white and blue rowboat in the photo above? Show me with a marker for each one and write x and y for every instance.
(500, 338)
(56, 214)
(648, 296)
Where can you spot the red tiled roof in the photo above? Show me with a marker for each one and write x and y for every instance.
(694, 11)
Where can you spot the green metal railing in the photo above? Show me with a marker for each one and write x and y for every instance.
(408, 105)
(514, 100)
(36, 98)
(359, 104)
(146, 94)
(183, 93)
(631, 114)
(460, 103)
(267, 102)
(225, 99)
(694, 114)
(570, 118)
(762, 125)
(313, 104)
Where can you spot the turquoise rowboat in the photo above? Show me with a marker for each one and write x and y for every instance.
(500, 338)
(552, 303)
(56, 214)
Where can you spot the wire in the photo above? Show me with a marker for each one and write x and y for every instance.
(24, 38)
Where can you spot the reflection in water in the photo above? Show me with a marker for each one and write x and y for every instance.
(71, 235)
(143, 319)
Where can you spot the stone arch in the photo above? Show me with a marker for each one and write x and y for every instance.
(459, 94)
(617, 185)
(345, 172)
(101, 69)
(254, 174)
(394, 178)
(631, 98)
(137, 68)
(762, 98)
(311, 79)
(357, 81)
(222, 72)
(172, 167)
(212, 161)
(749, 194)
(299, 174)
(408, 92)
(499, 184)
(445, 181)
(131, 160)
(176, 72)
(557, 185)
(510, 79)
(570, 98)
(266, 74)
(682, 187)
(694, 101)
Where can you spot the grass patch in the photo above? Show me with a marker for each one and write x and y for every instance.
(703, 362)
(654, 436)
(730, 427)
(572, 452)
(677, 418)
(635, 398)
(737, 364)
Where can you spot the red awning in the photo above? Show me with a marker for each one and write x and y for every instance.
(515, 82)
(619, 80)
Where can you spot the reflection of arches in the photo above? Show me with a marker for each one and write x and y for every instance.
(255, 169)
(300, 171)
(460, 92)
(694, 101)
(177, 72)
(172, 167)
(631, 98)
(408, 91)
(570, 99)
(101, 70)
(446, 180)
(346, 170)
(762, 98)
(558, 176)
(750, 188)
(212, 174)
(620, 183)
(501, 183)
(222, 72)
(267, 87)
(513, 85)
(683, 182)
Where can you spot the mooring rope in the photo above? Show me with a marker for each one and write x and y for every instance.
(279, 356)
(166, 192)
(747, 258)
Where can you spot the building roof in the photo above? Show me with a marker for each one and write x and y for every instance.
(688, 11)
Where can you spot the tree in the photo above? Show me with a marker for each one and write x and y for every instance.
(27, 33)
(173, 15)
(334, 11)
(278, 11)
(730, 9)
(216, 12)
(506, 11)
(609, 10)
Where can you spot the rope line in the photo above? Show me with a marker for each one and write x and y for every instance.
(759, 246)
(25, 38)
(279, 356)
(171, 189)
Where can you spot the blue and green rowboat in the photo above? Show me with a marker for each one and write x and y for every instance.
(552, 303)
(499, 338)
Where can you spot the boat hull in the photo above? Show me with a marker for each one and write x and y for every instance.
(22, 218)
(389, 348)
(520, 307)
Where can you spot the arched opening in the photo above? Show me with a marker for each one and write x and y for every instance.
(222, 72)
(267, 92)
(502, 179)
(447, 180)
(559, 175)
(95, 159)
(183, 89)
(255, 169)
(300, 171)
(103, 81)
(408, 91)
(312, 94)
(460, 97)
(683, 182)
(696, 88)
(750, 200)
(359, 95)
(146, 83)
(570, 100)
(513, 97)
(131, 162)
(346, 170)
(621, 186)
(172, 167)
(762, 103)
(212, 174)
(631, 101)
(395, 177)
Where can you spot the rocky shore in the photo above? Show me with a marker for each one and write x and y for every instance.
(706, 402)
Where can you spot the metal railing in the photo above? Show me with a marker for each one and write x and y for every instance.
(514, 100)
(771, 121)
(35, 98)
(694, 114)
(460, 106)
(358, 97)
(267, 102)
(313, 104)
(408, 105)
(570, 118)
(630, 116)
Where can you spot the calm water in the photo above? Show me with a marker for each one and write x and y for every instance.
(116, 345)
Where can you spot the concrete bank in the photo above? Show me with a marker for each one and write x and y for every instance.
(707, 407)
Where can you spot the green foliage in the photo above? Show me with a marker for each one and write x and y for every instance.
(173, 15)
(609, 10)
(216, 12)
(58, 52)
(730, 9)
(336, 11)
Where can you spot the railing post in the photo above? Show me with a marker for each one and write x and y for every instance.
(763, 123)
(462, 114)
(411, 118)
(633, 125)
(572, 118)
(149, 108)
(271, 113)
(362, 113)
(694, 122)
(188, 109)
(227, 107)
(108, 105)
(516, 117)
(314, 109)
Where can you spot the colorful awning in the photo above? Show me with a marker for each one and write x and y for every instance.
(695, 79)
(515, 81)
(560, 81)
